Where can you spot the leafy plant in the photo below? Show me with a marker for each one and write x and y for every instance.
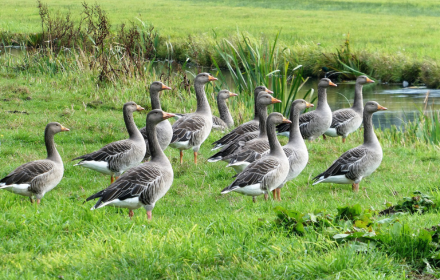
(419, 203)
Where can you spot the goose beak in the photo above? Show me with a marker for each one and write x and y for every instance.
(63, 128)
(382, 108)
(286, 120)
(332, 84)
(369, 80)
(309, 105)
(167, 115)
(274, 100)
(269, 91)
(164, 87)
(232, 94)
(212, 78)
(139, 108)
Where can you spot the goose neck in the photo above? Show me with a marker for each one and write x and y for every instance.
(202, 101)
(52, 152)
(155, 101)
(369, 135)
(358, 103)
(295, 133)
(322, 98)
(132, 129)
(153, 144)
(262, 118)
(223, 110)
(274, 144)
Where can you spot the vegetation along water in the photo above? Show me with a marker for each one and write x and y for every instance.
(79, 70)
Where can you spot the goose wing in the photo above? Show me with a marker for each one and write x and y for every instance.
(347, 164)
(236, 133)
(256, 173)
(142, 181)
(185, 129)
(218, 123)
(341, 117)
(252, 151)
(109, 152)
(233, 146)
(27, 172)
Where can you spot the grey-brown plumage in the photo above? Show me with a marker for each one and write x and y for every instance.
(163, 129)
(144, 185)
(36, 178)
(346, 121)
(247, 127)
(358, 162)
(267, 173)
(191, 131)
(315, 123)
(251, 139)
(117, 157)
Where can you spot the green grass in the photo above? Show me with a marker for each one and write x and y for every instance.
(195, 231)
(392, 27)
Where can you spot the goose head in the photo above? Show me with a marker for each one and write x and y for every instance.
(300, 105)
(325, 82)
(204, 78)
(266, 99)
(132, 107)
(277, 118)
(157, 115)
(225, 94)
(158, 86)
(55, 127)
(363, 80)
(262, 88)
(372, 107)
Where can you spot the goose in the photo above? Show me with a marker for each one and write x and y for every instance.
(295, 149)
(225, 121)
(36, 178)
(346, 121)
(358, 162)
(115, 158)
(313, 124)
(143, 185)
(190, 132)
(163, 129)
(267, 173)
(247, 127)
(247, 140)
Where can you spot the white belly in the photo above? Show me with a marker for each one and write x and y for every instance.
(21, 189)
(252, 190)
(130, 203)
(184, 145)
(239, 166)
(338, 179)
(331, 132)
(284, 133)
(100, 166)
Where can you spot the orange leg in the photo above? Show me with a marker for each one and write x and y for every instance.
(38, 201)
(343, 140)
(355, 187)
(181, 157)
(278, 194)
(130, 213)
(266, 196)
(195, 157)
(324, 137)
(112, 179)
(274, 192)
(149, 215)
(116, 178)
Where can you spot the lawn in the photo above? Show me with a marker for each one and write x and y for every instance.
(195, 231)
(391, 27)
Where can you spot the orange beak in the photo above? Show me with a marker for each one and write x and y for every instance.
(167, 115)
(286, 120)
(64, 128)
(369, 80)
(212, 78)
(139, 108)
(379, 107)
(232, 94)
(274, 100)
(164, 87)
(332, 84)
(269, 91)
(309, 105)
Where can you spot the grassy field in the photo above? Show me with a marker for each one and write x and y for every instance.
(195, 231)
(392, 27)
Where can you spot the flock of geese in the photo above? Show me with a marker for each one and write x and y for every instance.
(251, 149)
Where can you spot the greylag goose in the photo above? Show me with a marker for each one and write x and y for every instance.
(313, 124)
(358, 162)
(34, 179)
(225, 121)
(145, 184)
(267, 173)
(115, 158)
(346, 121)
(163, 129)
(244, 141)
(295, 149)
(247, 127)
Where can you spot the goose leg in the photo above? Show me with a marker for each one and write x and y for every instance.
(195, 157)
(274, 192)
(266, 196)
(30, 198)
(38, 201)
(181, 157)
(343, 140)
(130, 213)
(149, 214)
(355, 187)
(116, 178)
(278, 194)
(112, 179)
(324, 137)
(254, 199)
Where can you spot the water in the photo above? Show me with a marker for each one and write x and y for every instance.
(403, 103)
